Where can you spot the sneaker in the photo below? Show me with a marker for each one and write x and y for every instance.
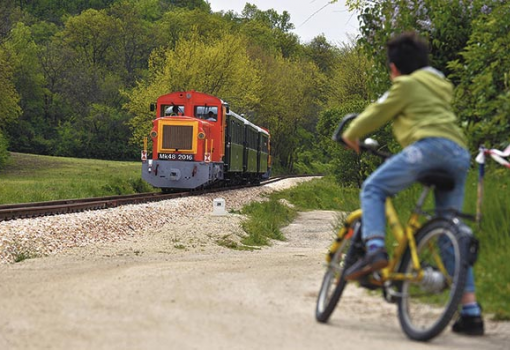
(369, 263)
(469, 325)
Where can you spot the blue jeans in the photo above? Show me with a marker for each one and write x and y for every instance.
(402, 170)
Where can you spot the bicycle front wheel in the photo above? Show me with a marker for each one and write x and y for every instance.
(333, 283)
(427, 305)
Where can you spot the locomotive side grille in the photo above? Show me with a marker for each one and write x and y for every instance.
(178, 137)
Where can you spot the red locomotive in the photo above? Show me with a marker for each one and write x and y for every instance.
(197, 141)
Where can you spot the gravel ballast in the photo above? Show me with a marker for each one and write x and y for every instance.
(187, 218)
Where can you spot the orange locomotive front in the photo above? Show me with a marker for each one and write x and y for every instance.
(189, 141)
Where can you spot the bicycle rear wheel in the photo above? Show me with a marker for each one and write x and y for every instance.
(333, 283)
(427, 306)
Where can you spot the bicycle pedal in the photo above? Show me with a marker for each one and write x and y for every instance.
(389, 293)
(366, 283)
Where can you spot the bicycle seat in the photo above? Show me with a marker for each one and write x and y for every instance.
(441, 179)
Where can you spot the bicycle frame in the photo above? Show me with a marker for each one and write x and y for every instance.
(404, 236)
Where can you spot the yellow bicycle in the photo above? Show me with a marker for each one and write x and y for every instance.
(427, 270)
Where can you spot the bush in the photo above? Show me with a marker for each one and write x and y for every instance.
(4, 153)
(348, 168)
(265, 220)
(321, 194)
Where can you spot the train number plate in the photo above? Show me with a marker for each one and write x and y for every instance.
(173, 156)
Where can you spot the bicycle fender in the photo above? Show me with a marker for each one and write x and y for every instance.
(352, 217)
(469, 242)
(344, 232)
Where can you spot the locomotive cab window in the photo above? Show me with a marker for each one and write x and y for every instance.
(172, 110)
(209, 113)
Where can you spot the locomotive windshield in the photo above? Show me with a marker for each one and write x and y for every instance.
(209, 113)
(172, 110)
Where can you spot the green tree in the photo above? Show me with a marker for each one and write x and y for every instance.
(135, 39)
(192, 4)
(270, 30)
(468, 42)
(482, 97)
(9, 106)
(288, 105)
(102, 134)
(7, 10)
(94, 36)
(350, 79)
(28, 75)
(346, 165)
(182, 23)
(4, 154)
(55, 10)
(9, 97)
(349, 92)
(100, 53)
(220, 67)
(447, 25)
(323, 54)
(29, 80)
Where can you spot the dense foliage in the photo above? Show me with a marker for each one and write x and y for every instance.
(483, 72)
(469, 42)
(82, 74)
(77, 77)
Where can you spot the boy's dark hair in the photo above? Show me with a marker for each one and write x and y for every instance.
(408, 52)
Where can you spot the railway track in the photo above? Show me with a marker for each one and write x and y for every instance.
(30, 210)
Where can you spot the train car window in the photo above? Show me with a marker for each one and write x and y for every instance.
(238, 136)
(172, 110)
(264, 143)
(252, 138)
(209, 113)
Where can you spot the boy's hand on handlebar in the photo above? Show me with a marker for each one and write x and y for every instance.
(354, 144)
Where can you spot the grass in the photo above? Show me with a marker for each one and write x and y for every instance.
(492, 270)
(227, 242)
(22, 256)
(265, 220)
(33, 178)
(321, 194)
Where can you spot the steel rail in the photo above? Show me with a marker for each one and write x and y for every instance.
(35, 209)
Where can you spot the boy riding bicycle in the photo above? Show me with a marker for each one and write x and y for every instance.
(418, 104)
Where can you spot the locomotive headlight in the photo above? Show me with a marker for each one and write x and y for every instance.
(201, 135)
(154, 134)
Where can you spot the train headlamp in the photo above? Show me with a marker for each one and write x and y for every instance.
(201, 135)
(154, 134)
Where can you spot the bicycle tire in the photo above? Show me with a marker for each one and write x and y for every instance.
(438, 243)
(333, 282)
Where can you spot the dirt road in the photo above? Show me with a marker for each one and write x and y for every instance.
(136, 294)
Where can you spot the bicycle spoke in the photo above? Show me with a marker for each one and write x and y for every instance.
(426, 306)
(333, 283)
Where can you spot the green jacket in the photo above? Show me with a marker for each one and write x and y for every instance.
(419, 105)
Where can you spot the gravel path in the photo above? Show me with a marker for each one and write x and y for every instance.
(165, 283)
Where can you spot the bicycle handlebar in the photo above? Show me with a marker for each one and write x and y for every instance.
(367, 145)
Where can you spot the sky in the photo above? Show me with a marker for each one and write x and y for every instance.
(310, 17)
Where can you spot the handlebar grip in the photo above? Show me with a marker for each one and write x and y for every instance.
(366, 145)
(337, 135)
